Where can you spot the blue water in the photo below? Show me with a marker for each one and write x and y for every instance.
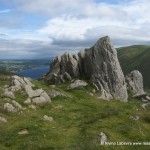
(34, 73)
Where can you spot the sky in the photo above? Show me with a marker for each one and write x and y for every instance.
(40, 29)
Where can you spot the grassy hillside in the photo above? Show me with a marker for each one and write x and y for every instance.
(78, 121)
(136, 57)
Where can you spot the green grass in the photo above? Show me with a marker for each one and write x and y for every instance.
(136, 58)
(77, 123)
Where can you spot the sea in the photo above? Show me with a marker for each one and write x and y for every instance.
(34, 73)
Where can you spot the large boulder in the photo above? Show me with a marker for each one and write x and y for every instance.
(135, 83)
(99, 64)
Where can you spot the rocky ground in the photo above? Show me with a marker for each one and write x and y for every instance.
(34, 115)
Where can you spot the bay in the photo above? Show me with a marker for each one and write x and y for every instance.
(34, 73)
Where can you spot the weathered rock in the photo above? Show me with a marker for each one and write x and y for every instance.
(3, 120)
(19, 83)
(67, 77)
(135, 118)
(135, 83)
(28, 101)
(102, 67)
(55, 93)
(103, 138)
(77, 84)
(32, 107)
(145, 105)
(46, 118)
(9, 107)
(16, 105)
(23, 132)
(99, 64)
(40, 99)
(9, 94)
(33, 93)
(47, 98)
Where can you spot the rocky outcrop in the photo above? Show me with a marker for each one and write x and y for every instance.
(18, 83)
(99, 64)
(135, 83)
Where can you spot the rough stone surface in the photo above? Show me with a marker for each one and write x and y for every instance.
(9, 94)
(24, 84)
(16, 105)
(99, 64)
(135, 83)
(28, 101)
(9, 107)
(46, 118)
(40, 99)
(55, 93)
(32, 107)
(3, 120)
(103, 138)
(77, 84)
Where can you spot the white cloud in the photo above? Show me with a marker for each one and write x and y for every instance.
(77, 24)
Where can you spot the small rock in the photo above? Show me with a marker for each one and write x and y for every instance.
(135, 118)
(23, 132)
(28, 101)
(9, 94)
(47, 98)
(9, 107)
(59, 107)
(77, 84)
(55, 93)
(3, 120)
(93, 91)
(17, 105)
(46, 118)
(91, 94)
(148, 98)
(32, 107)
(144, 105)
(40, 99)
(103, 138)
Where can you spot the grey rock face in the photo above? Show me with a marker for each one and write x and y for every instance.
(135, 83)
(99, 64)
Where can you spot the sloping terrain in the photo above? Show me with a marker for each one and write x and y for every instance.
(78, 119)
(136, 58)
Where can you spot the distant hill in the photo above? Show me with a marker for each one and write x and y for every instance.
(136, 57)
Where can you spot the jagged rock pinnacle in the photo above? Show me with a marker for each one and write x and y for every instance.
(99, 64)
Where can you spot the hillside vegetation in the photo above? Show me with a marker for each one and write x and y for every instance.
(79, 118)
(136, 58)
